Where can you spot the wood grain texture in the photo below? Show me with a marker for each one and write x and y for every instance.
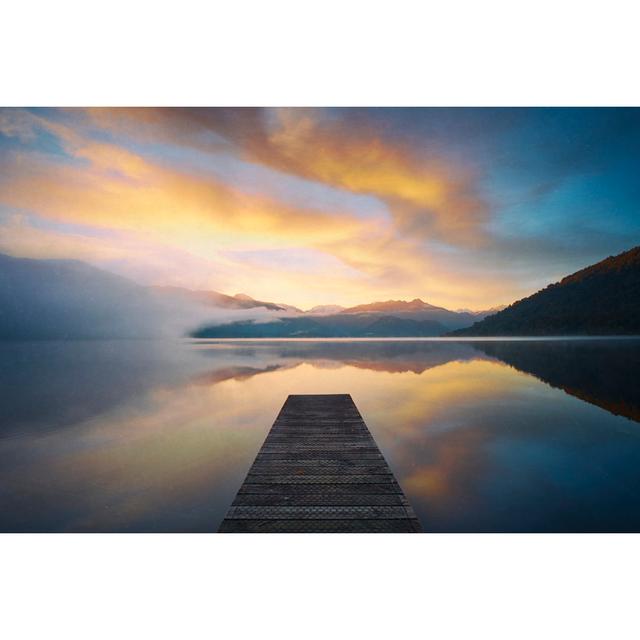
(320, 471)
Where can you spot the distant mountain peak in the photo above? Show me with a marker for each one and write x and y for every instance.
(483, 312)
(44, 298)
(325, 309)
(391, 306)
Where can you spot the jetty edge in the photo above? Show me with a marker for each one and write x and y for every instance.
(319, 470)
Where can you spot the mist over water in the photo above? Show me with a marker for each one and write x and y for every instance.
(158, 435)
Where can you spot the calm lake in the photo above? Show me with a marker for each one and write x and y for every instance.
(492, 435)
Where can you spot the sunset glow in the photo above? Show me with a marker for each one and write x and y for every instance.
(460, 207)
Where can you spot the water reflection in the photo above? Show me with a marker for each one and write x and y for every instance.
(155, 436)
(603, 372)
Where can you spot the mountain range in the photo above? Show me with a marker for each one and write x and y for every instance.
(385, 319)
(602, 299)
(60, 299)
(64, 299)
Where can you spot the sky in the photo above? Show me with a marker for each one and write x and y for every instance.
(462, 207)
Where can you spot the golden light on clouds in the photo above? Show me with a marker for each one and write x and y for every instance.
(105, 175)
(424, 193)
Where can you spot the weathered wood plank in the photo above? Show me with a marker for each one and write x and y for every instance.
(350, 512)
(285, 498)
(320, 489)
(320, 470)
(319, 446)
(313, 467)
(319, 479)
(320, 526)
(318, 456)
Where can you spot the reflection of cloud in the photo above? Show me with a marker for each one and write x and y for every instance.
(159, 437)
(417, 400)
(447, 469)
(170, 459)
(231, 373)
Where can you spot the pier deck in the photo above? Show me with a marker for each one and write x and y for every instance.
(320, 470)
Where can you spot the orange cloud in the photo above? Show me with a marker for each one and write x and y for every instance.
(427, 195)
(116, 188)
(105, 185)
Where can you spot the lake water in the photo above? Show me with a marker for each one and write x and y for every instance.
(498, 435)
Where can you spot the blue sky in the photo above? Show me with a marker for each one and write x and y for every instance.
(462, 207)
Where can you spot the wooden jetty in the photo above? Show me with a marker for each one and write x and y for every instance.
(320, 471)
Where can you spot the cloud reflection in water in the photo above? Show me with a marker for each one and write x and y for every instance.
(155, 436)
